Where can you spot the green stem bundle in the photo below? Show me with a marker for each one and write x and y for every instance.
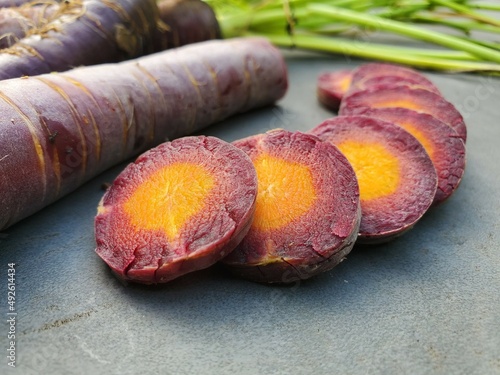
(442, 32)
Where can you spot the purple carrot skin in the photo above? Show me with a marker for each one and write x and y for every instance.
(387, 82)
(90, 32)
(60, 130)
(185, 22)
(333, 86)
(13, 27)
(43, 11)
(181, 22)
(12, 3)
(17, 22)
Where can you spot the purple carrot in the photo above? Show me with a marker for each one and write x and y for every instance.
(88, 32)
(180, 22)
(62, 129)
(185, 22)
(12, 3)
(17, 22)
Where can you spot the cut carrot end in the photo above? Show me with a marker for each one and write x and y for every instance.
(376, 168)
(170, 196)
(332, 86)
(285, 192)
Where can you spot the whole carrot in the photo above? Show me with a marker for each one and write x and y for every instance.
(174, 23)
(43, 37)
(185, 22)
(12, 3)
(59, 130)
(18, 22)
(86, 32)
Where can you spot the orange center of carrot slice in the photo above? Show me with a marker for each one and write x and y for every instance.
(285, 192)
(394, 103)
(169, 197)
(417, 133)
(377, 170)
(345, 83)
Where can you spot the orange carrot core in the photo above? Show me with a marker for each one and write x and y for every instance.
(285, 192)
(345, 83)
(413, 130)
(169, 198)
(377, 170)
(395, 103)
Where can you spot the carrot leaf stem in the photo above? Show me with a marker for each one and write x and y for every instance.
(444, 31)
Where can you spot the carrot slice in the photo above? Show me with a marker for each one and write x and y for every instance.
(419, 100)
(445, 148)
(397, 179)
(332, 86)
(377, 75)
(180, 207)
(308, 211)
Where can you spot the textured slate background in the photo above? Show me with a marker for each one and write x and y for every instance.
(427, 303)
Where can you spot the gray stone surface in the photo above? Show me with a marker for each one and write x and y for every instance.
(427, 303)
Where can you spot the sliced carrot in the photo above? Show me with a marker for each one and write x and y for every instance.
(308, 209)
(397, 179)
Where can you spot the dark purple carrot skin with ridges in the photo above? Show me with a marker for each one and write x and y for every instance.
(180, 22)
(185, 22)
(59, 130)
(94, 32)
(13, 26)
(12, 3)
(318, 239)
(420, 100)
(17, 22)
(148, 256)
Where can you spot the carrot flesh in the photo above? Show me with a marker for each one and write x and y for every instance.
(172, 182)
(377, 168)
(286, 192)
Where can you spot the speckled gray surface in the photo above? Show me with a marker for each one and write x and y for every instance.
(427, 303)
